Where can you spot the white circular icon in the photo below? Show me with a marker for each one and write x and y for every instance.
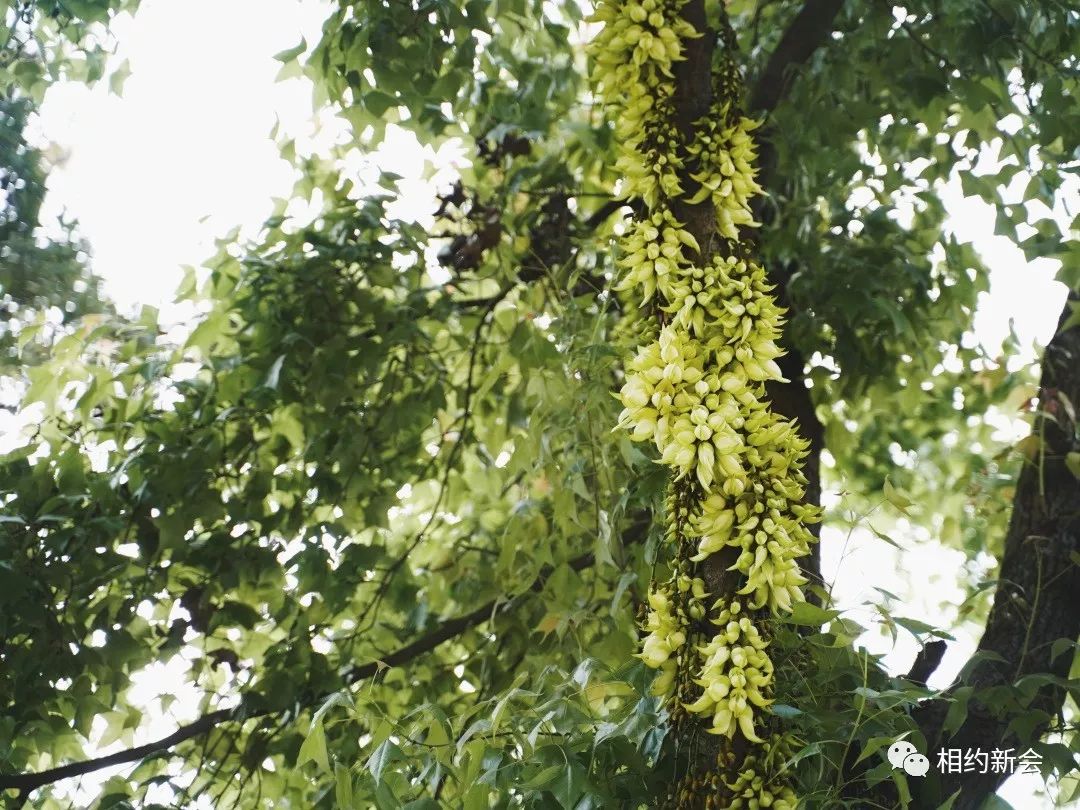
(900, 750)
(916, 765)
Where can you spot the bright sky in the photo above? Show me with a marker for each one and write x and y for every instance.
(185, 155)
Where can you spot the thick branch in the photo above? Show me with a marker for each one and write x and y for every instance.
(27, 782)
(807, 32)
(1035, 602)
(693, 102)
(926, 662)
(792, 400)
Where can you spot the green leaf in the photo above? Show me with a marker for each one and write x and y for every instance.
(377, 102)
(439, 735)
(1063, 645)
(382, 756)
(902, 788)
(958, 709)
(896, 497)
(808, 750)
(274, 374)
(975, 186)
(884, 537)
(976, 659)
(289, 54)
(949, 802)
(114, 728)
(920, 628)
(545, 777)
(118, 77)
(803, 613)
(313, 749)
(785, 712)
(873, 745)
(627, 578)
(343, 786)
(1072, 462)
(87, 10)
(477, 798)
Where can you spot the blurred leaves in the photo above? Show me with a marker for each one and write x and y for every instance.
(37, 273)
(379, 424)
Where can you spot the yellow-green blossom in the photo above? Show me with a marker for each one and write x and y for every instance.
(698, 390)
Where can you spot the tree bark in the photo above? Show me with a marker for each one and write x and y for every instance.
(808, 31)
(705, 756)
(699, 756)
(1036, 603)
(1037, 600)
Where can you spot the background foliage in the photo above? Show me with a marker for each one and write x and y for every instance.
(374, 499)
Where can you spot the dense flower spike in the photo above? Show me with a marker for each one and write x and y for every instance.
(726, 154)
(735, 672)
(665, 632)
(750, 788)
(634, 54)
(697, 390)
(654, 255)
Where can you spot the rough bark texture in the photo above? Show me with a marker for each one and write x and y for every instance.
(792, 400)
(809, 30)
(1038, 599)
(700, 753)
(693, 98)
(704, 755)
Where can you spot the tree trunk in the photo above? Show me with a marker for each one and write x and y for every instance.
(1038, 596)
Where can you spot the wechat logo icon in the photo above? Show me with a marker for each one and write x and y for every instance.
(903, 754)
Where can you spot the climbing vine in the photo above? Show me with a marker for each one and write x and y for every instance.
(696, 389)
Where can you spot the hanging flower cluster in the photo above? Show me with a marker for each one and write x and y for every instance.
(751, 790)
(734, 673)
(697, 391)
(634, 54)
(725, 152)
(653, 252)
(666, 622)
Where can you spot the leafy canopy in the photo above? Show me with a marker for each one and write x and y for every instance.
(374, 501)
